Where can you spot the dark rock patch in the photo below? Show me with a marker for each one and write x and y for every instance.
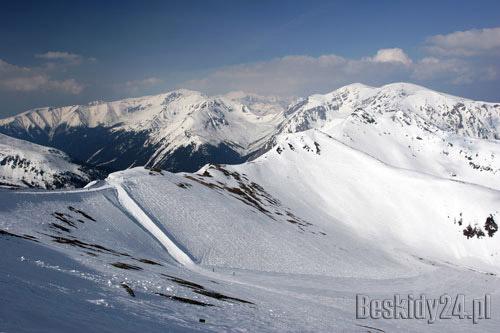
(184, 300)
(123, 265)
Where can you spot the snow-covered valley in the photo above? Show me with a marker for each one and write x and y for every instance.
(374, 191)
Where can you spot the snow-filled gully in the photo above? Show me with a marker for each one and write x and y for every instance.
(141, 217)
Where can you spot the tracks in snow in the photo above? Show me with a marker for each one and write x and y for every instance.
(141, 217)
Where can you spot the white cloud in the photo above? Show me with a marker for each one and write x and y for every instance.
(138, 86)
(147, 82)
(456, 71)
(459, 58)
(24, 79)
(70, 86)
(300, 75)
(394, 55)
(57, 55)
(465, 43)
(59, 60)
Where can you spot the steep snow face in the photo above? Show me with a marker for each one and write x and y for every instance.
(410, 127)
(339, 188)
(153, 128)
(24, 164)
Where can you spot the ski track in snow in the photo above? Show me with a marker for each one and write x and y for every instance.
(133, 209)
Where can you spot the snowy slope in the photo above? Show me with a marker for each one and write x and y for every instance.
(24, 164)
(297, 233)
(328, 182)
(402, 124)
(411, 127)
(181, 129)
(364, 190)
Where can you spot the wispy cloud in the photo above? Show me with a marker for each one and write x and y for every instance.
(465, 43)
(24, 79)
(61, 60)
(147, 82)
(459, 58)
(299, 75)
(136, 86)
(61, 56)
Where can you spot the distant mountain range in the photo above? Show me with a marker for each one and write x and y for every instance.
(401, 124)
(178, 131)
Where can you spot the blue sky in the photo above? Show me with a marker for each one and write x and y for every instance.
(69, 52)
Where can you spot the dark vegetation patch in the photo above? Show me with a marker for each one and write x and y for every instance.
(183, 282)
(87, 216)
(153, 171)
(318, 151)
(10, 234)
(65, 218)
(9, 185)
(199, 289)
(427, 261)
(184, 185)
(123, 265)
(92, 247)
(149, 262)
(309, 149)
(206, 174)
(490, 226)
(59, 227)
(128, 289)
(479, 167)
(219, 296)
(242, 193)
(470, 232)
(296, 220)
(363, 116)
(252, 194)
(184, 300)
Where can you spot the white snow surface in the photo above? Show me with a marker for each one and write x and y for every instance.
(24, 164)
(409, 127)
(298, 232)
(364, 191)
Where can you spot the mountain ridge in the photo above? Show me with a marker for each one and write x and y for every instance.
(25, 164)
(183, 130)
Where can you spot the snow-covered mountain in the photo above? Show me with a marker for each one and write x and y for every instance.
(401, 124)
(281, 243)
(373, 191)
(179, 130)
(24, 164)
(409, 127)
